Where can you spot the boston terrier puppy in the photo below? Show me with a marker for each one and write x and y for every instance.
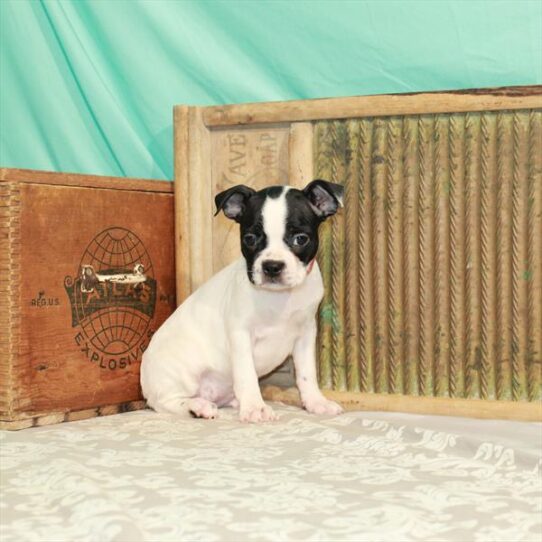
(245, 321)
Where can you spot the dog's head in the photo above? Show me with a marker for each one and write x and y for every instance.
(279, 228)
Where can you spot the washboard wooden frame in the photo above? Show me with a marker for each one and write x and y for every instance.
(433, 271)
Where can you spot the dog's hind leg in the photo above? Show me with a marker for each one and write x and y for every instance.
(200, 397)
(216, 388)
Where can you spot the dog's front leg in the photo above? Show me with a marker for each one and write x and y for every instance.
(304, 355)
(245, 381)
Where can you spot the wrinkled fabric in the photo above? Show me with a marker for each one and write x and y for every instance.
(89, 86)
(361, 476)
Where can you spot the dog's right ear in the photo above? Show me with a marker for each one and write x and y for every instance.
(233, 201)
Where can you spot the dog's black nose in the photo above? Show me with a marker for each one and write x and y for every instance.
(272, 268)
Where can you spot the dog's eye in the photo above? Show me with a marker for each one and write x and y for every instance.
(300, 239)
(250, 240)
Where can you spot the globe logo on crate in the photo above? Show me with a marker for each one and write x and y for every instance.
(113, 298)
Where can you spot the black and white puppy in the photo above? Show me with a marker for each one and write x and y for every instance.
(245, 321)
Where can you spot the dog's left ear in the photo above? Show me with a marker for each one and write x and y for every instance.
(325, 197)
(233, 201)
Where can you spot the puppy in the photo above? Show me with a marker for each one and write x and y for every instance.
(245, 321)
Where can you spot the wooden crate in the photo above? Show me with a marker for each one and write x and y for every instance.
(77, 310)
(433, 271)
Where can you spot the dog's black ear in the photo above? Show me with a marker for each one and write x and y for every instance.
(325, 197)
(233, 201)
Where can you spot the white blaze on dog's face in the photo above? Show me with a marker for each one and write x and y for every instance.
(279, 228)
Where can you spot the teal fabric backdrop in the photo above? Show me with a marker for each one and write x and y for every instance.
(89, 86)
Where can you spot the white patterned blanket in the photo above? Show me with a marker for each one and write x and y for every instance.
(362, 476)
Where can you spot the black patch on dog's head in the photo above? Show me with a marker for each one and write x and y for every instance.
(301, 219)
(274, 191)
(307, 209)
(252, 234)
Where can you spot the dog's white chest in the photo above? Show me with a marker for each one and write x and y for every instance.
(278, 320)
(272, 344)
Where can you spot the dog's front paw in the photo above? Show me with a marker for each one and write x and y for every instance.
(256, 412)
(321, 405)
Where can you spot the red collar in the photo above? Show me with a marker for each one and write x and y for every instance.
(310, 266)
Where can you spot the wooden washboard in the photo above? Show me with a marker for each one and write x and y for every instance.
(433, 271)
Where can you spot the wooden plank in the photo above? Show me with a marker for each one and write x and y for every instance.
(503, 375)
(366, 287)
(352, 243)
(534, 272)
(490, 99)
(456, 384)
(183, 216)
(300, 154)
(380, 255)
(426, 315)
(394, 241)
(87, 181)
(520, 324)
(9, 292)
(337, 254)
(441, 211)
(436, 406)
(200, 198)
(411, 254)
(26, 420)
(472, 244)
(488, 254)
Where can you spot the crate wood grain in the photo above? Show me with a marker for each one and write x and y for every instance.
(433, 270)
(70, 348)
